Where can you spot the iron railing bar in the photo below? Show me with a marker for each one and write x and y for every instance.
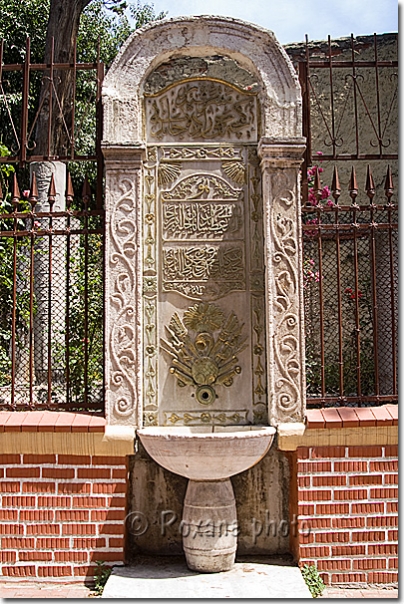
(72, 138)
(340, 328)
(392, 297)
(381, 399)
(50, 312)
(14, 314)
(46, 66)
(51, 72)
(24, 105)
(332, 98)
(354, 93)
(321, 309)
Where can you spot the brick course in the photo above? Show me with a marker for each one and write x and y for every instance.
(51, 524)
(361, 544)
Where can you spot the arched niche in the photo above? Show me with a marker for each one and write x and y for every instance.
(279, 146)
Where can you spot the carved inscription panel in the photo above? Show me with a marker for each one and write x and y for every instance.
(203, 269)
(201, 110)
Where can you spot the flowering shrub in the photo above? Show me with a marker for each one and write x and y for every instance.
(309, 275)
(325, 193)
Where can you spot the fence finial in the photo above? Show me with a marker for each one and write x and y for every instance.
(317, 185)
(15, 196)
(52, 193)
(353, 185)
(69, 190)
(33, 193)
(388, 185)
(370, 184)
(335, 186)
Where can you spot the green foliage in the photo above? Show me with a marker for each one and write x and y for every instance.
(7, 279)
(101, 577)
(313, 580)
(86, 284)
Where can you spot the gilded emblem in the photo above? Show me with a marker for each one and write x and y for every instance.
(203, 346)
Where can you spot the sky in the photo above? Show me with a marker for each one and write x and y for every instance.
(290, 20)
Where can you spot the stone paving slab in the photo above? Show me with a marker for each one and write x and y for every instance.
(331, 593)
(175, 580)
(30, 590)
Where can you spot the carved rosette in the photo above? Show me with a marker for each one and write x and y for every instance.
(123, 335)
(284, 304)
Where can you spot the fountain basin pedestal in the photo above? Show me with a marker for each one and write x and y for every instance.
(208, 456)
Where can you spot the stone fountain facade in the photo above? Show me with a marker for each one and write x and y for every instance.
(204, 300)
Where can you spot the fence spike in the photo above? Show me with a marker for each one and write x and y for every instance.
(370, 184)
(335, 185)
(52, 193)
(353, 185)
(33, 193)
(69, 190)
(15, 196)
(388, 185)
(317, 185)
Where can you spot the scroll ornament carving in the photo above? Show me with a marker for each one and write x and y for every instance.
(213, 417)
(202, 186)
(202, 109)
(202, 153)
(286, 304)
(203, 348)
(123, 340)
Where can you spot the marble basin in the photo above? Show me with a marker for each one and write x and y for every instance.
(208, 456)
(207, 452)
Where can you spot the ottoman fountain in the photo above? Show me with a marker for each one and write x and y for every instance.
(204, 335)
(208, 456)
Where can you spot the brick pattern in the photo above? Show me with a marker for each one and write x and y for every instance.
(347, 506)
(349, 417)
(60, 514)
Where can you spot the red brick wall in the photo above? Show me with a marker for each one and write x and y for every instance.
(347, 506)
(59, 514)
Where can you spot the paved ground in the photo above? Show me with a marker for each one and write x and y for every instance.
(158, 579)
(73, 591)
(338, 592)
(43, 590)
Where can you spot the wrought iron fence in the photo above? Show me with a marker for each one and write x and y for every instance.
(51, 256)
(52, 261)
(350, 278)
(30, 101)
(51, 324)
(350, 242)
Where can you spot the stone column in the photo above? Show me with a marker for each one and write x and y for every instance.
(123, 289)
(280, 163)
(56, 305)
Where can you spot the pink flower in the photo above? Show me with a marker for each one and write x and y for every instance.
(37, 224)
(325, 193)
(320, 153)
(330, 203)
(25, 194)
